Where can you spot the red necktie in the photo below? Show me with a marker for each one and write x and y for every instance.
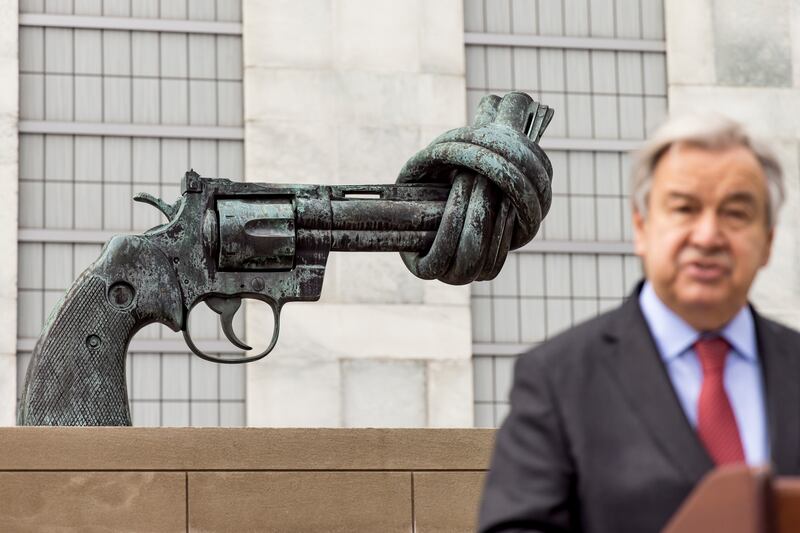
(716, 424)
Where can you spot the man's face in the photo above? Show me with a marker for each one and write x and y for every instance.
(706, 232)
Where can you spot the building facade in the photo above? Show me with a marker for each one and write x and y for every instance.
(104, 99)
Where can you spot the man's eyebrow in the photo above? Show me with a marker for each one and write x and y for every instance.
(741, 196)
(677, 195)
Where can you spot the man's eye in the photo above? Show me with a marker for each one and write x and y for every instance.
(683, 209)
(737, 214)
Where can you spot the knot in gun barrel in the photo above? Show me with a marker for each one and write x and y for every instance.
(500, 189)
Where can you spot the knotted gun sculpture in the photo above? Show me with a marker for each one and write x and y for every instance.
(457, 208)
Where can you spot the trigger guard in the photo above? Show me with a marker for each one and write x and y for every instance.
(276, 314)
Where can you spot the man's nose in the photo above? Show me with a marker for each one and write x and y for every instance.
(707, 231)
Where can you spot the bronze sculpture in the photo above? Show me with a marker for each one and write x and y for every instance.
(456, 210)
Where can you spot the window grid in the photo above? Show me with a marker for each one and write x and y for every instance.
(622, 19)
(216, 10)
(535, 297)
(598, 95)
(111, 171)
(86, 182)
(586, 114)
(602, 94)
(130, 77)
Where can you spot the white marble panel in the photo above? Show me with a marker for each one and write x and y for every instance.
(442, 37)
(768, 112)
(371, 278)
(367, 97)
(288, 33)
(384, 393)
(287, 391)
(690, 43)
(377, 35)
(438, 293)
(442, 100)
(9, 155)
(375, 153)
(777, 288)
(794, 36)
(303, 95)
(8, 375)
(752, 45)
(289, 151)
(358, 331)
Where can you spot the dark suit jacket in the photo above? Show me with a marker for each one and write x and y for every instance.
(596, 439)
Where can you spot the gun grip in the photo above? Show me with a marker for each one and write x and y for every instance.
(76, 376)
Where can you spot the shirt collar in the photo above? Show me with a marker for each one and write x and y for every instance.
(674, 336)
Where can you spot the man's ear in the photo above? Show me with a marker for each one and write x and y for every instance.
(639, 235)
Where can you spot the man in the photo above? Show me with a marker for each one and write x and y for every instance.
(613, 422)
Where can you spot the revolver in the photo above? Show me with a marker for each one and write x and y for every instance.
(456, 210)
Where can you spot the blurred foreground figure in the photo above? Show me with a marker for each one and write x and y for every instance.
(613, 422)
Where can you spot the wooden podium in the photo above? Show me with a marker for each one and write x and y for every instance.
(739, 499)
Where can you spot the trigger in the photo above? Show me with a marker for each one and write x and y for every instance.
(226, 308)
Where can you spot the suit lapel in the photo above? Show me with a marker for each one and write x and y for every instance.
(781, 370)
(633, 359)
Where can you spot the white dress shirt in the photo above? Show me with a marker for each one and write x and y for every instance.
(742, 374)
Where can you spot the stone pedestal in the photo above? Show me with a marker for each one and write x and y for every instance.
(164, 479)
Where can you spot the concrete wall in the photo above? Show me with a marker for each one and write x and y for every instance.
(743, 59)
(345, 91)
(9, 75)
(168, 479)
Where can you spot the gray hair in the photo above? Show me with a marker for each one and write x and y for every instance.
(710, 131)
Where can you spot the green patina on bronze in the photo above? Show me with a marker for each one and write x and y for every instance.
(456, 210)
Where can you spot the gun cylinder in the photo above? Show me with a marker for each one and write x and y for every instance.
(256, 234)
(264, 233)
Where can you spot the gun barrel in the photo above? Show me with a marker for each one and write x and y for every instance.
(381, 241)
(381, 218)
(374, 225)
(386, 215)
